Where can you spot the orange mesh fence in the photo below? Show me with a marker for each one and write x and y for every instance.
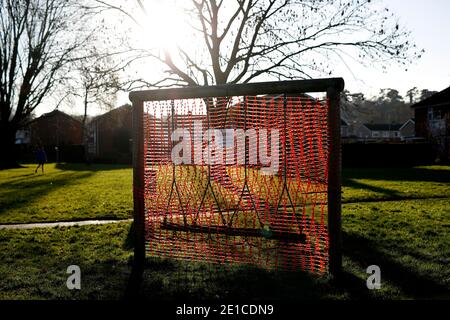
(238, 180)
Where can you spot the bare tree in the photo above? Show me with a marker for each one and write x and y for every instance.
(97, 83)
(242, 40)
(99, 77)
(39, 40)
(96, 79)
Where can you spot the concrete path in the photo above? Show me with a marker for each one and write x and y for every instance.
(59, 224)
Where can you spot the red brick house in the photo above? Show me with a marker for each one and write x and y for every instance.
(432, 117)
(109, 136)
(56, 128)
(255, 113)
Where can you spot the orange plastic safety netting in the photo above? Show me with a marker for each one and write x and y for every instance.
(238, 180)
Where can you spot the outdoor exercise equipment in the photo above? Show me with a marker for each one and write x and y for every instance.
(239, 174)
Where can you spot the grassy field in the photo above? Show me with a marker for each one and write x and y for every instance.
(65, 193)
(79, 192)
(398, 219)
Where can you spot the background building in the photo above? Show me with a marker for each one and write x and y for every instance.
(432, 117)
(109, 136)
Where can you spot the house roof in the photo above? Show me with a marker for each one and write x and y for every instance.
(383, 126)
(441, 98)
(55, 113)
(125, 107)
(408, 121)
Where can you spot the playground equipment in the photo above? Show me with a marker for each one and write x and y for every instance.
(239, 174)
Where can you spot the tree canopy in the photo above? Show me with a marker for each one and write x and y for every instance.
(243, 40)
(40, 43)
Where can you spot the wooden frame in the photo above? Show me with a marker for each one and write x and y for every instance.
(332, 86)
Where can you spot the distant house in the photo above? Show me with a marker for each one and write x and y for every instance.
(432, 117)
(379, 131)
(408, 129)
(55, 129)
(109, 136)
(345, 130)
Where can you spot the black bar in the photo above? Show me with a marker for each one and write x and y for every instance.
(334, 182)
(243, 232)
(228, 90)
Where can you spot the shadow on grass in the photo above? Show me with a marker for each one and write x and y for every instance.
(90, 167)
(12, 167)
(165, 279)
(382, 194)
(397, 174)
(21, 192)
(128, 244)
(13, 180)
(365, 252)
(175, 280)
(360, 185)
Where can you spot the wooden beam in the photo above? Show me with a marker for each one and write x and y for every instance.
(237, 232)
(228, 90)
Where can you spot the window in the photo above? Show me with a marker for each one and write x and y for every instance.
(436, 120)
(434, 114)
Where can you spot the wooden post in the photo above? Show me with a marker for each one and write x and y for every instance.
(138, 182)
(334, 182)
(138, 199)
(246, 89)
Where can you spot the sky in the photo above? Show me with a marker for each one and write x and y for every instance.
(429, 23)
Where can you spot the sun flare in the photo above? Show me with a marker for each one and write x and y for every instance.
(162, 25)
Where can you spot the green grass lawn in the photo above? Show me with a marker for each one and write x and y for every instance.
(398, 219)
(362, 185)
(65, 193)
(68, 192)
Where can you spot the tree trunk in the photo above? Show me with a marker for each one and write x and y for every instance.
(8, 156)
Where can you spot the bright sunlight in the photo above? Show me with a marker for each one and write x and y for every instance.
(161, 25)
